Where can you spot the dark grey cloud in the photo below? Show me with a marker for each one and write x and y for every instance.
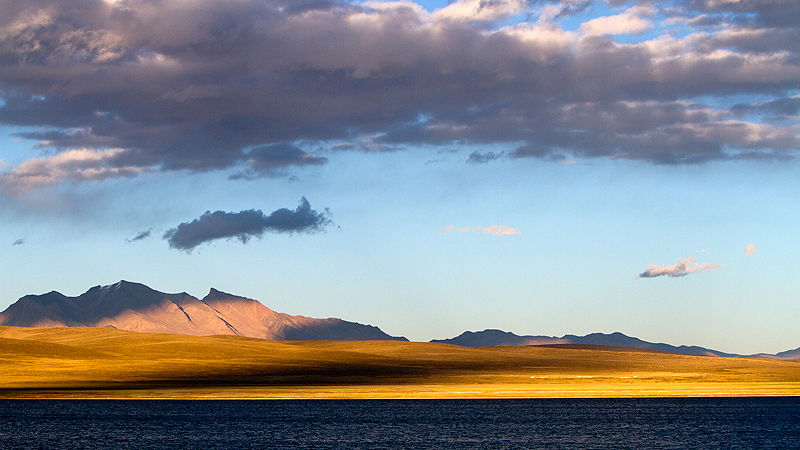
(141, 235)
(252, 86)
(777, 13)
(19, 241)
(269, 160)
(784, 107)
(483, 158)
(245, 225)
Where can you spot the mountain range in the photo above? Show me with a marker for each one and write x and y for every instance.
(136, 307)
(498, 337)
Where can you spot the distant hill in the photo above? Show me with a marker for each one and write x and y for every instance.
(789, 354)
(491, 338)
(488, 338)
(136, 307)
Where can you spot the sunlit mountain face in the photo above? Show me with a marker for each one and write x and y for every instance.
(136, 307)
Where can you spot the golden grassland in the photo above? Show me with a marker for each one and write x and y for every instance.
(109, 363)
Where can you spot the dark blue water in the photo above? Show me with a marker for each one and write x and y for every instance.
(727, 423)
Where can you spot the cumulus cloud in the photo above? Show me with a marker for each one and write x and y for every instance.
(114, 89)
(685, 266)
(749, 250)
(497, 230)
(245, 225)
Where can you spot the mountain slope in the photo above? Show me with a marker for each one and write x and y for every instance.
(136, 307)
(490, 338)
(496, 337)
(789, 354)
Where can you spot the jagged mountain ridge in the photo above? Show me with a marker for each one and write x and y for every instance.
(136, 307)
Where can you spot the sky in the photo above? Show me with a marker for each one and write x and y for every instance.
(540, 167)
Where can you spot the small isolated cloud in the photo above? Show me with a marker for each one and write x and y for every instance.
(141, 235)
(684, 267)
(19, 241)
(497, 230)
(245, 225)
(750, 250)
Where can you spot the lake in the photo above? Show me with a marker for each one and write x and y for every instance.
(679, 423)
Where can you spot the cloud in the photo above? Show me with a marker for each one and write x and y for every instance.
(684, 267)
(251, 86)
(141, 235)
(479, 10)
(245, 225)
(268, 160)
(72, 166)
(483, 158)
(19, 241)
(749, 250)
(629, 22)
(501, 230)
(497, 230)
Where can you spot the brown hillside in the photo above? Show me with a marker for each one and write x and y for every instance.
(96, 362)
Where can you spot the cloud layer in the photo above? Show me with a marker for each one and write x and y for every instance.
(684, 267)
(117, 88)
(245, 225)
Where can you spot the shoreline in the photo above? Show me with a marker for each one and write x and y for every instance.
(419, 392)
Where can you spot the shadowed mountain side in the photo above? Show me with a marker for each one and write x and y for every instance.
(490, 338)
(255, 319)
(620, 340)
(136, 307)
(497, 337)
(789, 354)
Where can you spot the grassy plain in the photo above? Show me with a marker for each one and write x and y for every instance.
(109, 363)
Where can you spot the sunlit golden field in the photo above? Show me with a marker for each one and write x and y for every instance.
(108, 363)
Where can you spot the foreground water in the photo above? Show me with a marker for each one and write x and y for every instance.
(729, 423)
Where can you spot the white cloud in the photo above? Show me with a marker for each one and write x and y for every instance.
(750, 250)
(496, 230)
(479, 10)
(72, 165)
(629, 22)
(685, 266)
(500, 230)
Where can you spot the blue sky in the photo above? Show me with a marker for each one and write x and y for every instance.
(502, 164)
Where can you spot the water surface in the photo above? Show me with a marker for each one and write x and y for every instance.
(729, 423)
